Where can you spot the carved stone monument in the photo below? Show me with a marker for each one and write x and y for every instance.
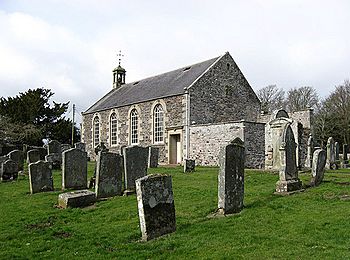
(330, 163)
(9, 170)
(318, 166)
(18, 157)
(33, 156)
(74, 169)
(76, 199)
(40, 176)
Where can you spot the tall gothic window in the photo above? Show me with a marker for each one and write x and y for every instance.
(113, 126)
(96, 131)
(158, 124)
(134, 127)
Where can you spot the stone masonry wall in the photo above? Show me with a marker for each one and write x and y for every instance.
(173, 118)
(207, 140)
(223, 94)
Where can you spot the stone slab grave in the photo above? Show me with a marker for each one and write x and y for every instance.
(33, 156)
(40, 177)
(74, 169)
(135, 165)
(156, 206)
(109, 175)
(18, 157)
(55, 159)
(80, 146)
(330, 163)
(153, 157)
(288, 174)
(231, 178)
(189, 165)
(318, 167)
(76, 199)
(9, 170)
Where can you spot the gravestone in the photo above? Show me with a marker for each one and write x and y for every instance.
(231, 177)
(33, 156)
(109, 175)
(42, 151)
(330, 163)
(189, 165)
(65, 147)
(336, 149)
(310, 151)
(18, 157)
(74, 169)
(345, 161)
(76, 199)
(156, 206)
(55, 159)
(288, 173)
(153, 157)
(40, 177)
(80, 146)
(9, 170)
(135, 165)
(3, 158)
(101, 147)
(54, 147)
(318, 166)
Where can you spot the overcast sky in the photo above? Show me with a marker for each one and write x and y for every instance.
(70, 46)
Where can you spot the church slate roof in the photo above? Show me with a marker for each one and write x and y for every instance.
(164, 85)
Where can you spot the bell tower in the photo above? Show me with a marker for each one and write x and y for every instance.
(119, 73)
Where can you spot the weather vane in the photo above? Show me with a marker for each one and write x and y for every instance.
(120, 55)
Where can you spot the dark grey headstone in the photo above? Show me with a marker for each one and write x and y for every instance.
(153, 157)
(318, 167)
(189, 165)
(40, 177)
(18, 157)
(33, 156)
(3, 158)
(74, 169)
(156, 206)
(231, 178)
(55, 159)
(54, 147)
(9, 170)
(336, 150)
(288, 173)
(80, 146)
(76, 199)
(109, 175)
(345, 153)
(135, 165)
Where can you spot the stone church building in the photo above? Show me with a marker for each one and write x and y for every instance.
(189, 113)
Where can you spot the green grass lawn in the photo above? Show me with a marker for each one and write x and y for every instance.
(314, 224)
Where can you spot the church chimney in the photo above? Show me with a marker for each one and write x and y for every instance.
(118, 74)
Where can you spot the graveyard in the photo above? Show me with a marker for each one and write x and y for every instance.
(310, 224)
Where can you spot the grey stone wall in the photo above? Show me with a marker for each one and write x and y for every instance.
(207, 140)
(173, 118)
(223, 94)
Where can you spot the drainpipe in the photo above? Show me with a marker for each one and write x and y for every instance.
(187, 123)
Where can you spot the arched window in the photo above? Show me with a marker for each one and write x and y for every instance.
(158, 124)
(134, 127)
(113, 126)
(96, 131)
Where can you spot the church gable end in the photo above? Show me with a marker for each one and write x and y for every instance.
(223, 94)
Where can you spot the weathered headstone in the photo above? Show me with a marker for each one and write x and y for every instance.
(156, 206)
(109, 175)
(76, 199)
(288, 173)
(345, 161)
(42, 151)
(54, 147)
(33, 156)
(9, 170)
(55, 159)
(231, 177)
(310, 151)
(80, 146)
(336, 149)
(153, 157)
(3, 158)
(101, 147)
(189, 165)
(40, 177)
(18, 157)
(135, 165)
(65, 147)
(74, 169)
(330, 163)
(318, 165)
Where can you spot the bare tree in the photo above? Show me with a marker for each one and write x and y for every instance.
(301, 98)
(271, 98)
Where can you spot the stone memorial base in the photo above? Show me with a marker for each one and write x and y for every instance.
(288, 186)
(76, 199)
